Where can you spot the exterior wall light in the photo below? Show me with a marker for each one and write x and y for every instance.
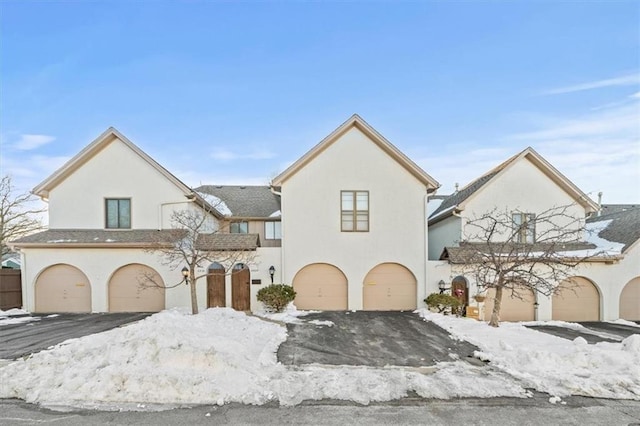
(272, 270)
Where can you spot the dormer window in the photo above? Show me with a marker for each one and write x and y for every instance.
(118, 213)
(524, 227)
(354, 207)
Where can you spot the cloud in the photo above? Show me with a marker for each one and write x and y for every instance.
(625, 80)
(28, 142)
(223, 154)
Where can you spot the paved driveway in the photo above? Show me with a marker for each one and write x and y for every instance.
(594, 332)
(17, 340)
(370, 338)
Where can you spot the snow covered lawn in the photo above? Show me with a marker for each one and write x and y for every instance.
(173, 358)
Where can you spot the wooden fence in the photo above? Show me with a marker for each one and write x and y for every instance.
(10, 289)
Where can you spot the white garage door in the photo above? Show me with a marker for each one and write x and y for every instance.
(63, 288)
(579, 300)
(320, 286)
(389, 287)
(134, 288)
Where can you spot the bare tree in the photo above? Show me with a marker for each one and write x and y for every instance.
(18, 217)
(522, 252)
(199, 237)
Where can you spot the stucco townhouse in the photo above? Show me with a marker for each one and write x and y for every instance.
(347, 225)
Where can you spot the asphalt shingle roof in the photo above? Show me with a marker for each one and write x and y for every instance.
(625, 223)
(245, 201)
(458, 197)
(468, 252)
(137, 237)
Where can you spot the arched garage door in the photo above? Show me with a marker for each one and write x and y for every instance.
(63, 288)
(389, 287)
(579, 300)
(630, 300)
(136, 288)
(320, 286)
(513, 308)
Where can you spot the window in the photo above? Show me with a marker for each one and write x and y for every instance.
(525, 227)
(273, 230)
(354, 211)
(118, 213)
(239, 228)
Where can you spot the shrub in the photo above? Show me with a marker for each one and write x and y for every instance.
(276, 297)
(442, 302)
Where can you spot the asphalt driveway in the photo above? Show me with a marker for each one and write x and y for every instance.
(373, 339)
(17, 340)
(594, 332)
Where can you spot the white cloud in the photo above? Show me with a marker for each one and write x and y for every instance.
(625, 80)
(223, 154)
(28, 142)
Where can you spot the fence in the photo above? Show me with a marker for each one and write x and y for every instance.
(10, 289)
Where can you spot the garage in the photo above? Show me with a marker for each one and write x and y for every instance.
(389, 287)
(513, 308)
(62, 288)
(579, 300)
(320, 286)
(134, 288)
(630, 300)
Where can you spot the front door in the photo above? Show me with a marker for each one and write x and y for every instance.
(240, 288)
(216, 287)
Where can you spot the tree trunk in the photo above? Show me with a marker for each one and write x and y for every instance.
(192, 285)
(495, 314)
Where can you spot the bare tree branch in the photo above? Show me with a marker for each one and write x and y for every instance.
(17, 218)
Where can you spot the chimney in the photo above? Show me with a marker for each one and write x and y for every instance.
(456, 185)
(599, 203)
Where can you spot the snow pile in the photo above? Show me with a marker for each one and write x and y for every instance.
(216, 357)
(290, 315)
(15, 316)
(551, 364)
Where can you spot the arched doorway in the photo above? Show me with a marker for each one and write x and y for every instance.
(62, 288)
(519, 306)
(240, 287)
(389, 287)
(216, 294)
(460, 289)
(136, 288)
(578, 299)
(320, 286)
(630, 300)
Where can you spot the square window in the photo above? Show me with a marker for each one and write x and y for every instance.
(239, 228)
(273, 230)
(118, 213)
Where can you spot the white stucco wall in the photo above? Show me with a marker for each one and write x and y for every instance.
(99, 265)
(445, 233)
(78, 202)
(521, 188)
(311, 214)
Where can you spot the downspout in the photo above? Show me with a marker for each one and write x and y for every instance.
(426, 243)
(282, 235)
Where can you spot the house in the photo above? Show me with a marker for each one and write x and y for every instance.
(354, 231)
(606, 286)
(11, 261)
(352, 224)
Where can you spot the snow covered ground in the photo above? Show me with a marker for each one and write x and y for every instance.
(174, 359)
(15, 316)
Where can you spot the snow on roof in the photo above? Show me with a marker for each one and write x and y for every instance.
(219, 205)
(592, 231)
(277, 213)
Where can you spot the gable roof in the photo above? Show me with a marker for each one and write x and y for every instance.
(458, 200)
(88, 152)
(356, 121)
(91, 150)
(246, 201)
(624, 227)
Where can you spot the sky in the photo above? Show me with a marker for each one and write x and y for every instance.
(234, 92)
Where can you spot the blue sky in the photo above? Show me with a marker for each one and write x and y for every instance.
(225, 92)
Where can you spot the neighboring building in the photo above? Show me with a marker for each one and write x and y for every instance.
(346, 225)
(526, 185)
(11, 261)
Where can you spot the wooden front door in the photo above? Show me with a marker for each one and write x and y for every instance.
(460, 290)
(240, 288)
(216, 295)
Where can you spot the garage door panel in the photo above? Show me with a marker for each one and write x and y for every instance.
(62, 288)
(512, 308)
(579, 300)
(132, 289)
(389, 287)
(320, 286)
(630, 300)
